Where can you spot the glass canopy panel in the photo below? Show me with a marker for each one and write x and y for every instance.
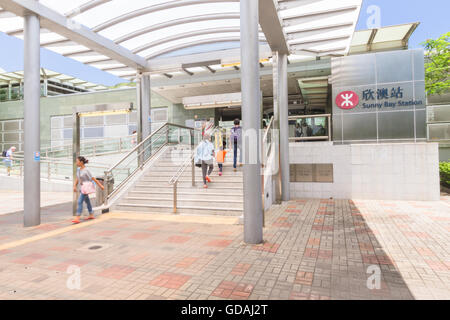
(126, 28)
(317, 6)
(318, 22)
(392, 33)
(321, 34)
(191, 41)
(64, 7)
(175, 31)
(361, 37)
(11, 24)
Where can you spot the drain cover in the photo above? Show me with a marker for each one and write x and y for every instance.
(90, 247)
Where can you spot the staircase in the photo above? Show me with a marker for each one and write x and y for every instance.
(152, 193)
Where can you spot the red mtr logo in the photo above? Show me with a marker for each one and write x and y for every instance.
(347, 100)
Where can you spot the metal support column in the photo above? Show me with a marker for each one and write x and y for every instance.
(32, 76)
(75, 154)
(145, 110)
(9, 90)
(276, 125)
(284, 126)
(251, 117)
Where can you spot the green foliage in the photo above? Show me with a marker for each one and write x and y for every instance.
(444, 172)
(124, 84)
(436, 69)
(3, 95)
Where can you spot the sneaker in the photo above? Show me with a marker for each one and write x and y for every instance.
(208, 179)
(234, 169)
(220, 174)
(205, 186)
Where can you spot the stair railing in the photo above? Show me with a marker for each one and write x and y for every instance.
(135, 160)
(188, 162)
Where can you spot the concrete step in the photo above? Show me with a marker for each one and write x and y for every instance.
(199, 178)
(207, 194)
(188, 184)
(185, 201)
(180, 209)
(198, 189)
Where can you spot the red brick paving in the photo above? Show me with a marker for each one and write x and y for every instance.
(29, 259)
(186, 262)
(107, 233)
(178, 239)
(140, 236)
(305, 278)
(320, 256)
(170, 280)
(240, 269)
(220, 243)
(116, 272)
(267, 246)
(233, 290)
(64, 265)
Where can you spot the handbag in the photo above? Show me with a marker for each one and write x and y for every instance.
(87, 187)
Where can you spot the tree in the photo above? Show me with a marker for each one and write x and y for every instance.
(437, 64)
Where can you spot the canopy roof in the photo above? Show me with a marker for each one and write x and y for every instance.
(386, 38)
(64, 79)
(121, 36)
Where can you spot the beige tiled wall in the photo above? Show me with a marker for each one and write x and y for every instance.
(397, 171)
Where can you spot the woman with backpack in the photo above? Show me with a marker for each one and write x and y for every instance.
(84, 180)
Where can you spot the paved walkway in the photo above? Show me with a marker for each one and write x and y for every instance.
(12, 201)
(314, 249)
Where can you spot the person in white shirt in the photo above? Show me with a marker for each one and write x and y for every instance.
(205, 156)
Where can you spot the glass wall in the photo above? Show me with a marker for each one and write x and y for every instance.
(379, 97)
(309, 128)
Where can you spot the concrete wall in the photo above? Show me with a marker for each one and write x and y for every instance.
(406, 171)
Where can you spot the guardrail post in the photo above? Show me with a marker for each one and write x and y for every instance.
(175, 197)
(193, 162)
(193, 172)
(105, 190)
(48, 171)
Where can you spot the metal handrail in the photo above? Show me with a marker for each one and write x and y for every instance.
(140, 149)
(49, 163)
(85, 144)
(174, 180)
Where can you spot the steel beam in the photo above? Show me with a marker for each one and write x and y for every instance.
(32, 136)
(272, 26)
(251, 116)
(78, 33)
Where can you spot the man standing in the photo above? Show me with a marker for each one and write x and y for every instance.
(236, 142)
(8, 160)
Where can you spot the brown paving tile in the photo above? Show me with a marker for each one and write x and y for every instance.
(116, 272)
(170, 280)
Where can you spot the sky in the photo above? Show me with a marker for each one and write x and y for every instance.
(432, 15)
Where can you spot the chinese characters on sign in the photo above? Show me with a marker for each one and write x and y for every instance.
(384, 94)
